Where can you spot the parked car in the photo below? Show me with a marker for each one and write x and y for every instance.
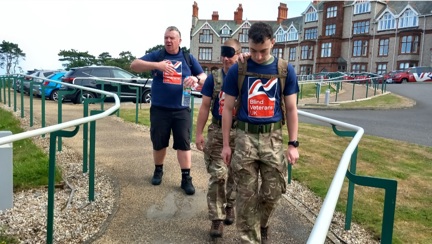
(75, 76)
(37, 78)
(388, 76)
(414, 74)
(51, 88)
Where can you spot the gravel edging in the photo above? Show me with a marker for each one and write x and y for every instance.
(80, 221)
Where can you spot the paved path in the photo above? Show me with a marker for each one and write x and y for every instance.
(160, 214)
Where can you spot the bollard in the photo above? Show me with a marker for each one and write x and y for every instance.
(6, 174)
(327, 97)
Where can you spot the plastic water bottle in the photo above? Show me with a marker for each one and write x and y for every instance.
(186, 96)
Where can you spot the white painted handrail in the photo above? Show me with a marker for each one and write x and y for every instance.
(52, 128)
(323, 221)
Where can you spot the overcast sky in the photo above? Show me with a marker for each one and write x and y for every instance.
(42, 28)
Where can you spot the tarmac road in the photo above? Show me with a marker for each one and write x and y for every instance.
(412, 125)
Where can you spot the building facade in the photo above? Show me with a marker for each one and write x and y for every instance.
(350, 36)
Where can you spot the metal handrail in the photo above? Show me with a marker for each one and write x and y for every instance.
(323, 221)
(52, 128)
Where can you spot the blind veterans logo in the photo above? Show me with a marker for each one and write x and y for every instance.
(221, 97)
(176, 77)
(262, 97)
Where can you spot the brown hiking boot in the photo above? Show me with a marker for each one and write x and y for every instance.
(264, 235)
(229, 216)
(216, 229)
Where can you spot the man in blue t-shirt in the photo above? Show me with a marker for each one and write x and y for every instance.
(167, 112)
(259, 151)
(221, 187)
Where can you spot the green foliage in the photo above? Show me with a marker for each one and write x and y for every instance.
(30, 163)
(5, 239)
(10, 55)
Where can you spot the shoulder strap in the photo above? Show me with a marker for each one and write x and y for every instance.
(218, 82)
(283, 73)
(186, 56)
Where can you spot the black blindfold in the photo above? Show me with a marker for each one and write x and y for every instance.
(227, 51)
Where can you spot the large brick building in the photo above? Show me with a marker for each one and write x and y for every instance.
(355, 36)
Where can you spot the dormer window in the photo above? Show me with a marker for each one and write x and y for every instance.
(408, 19)
(311, 15)
(225, 31)
(292, 34)
(362, 7)
(387, 22)
(280, 35)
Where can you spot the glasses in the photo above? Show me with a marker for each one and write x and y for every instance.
(227, 51)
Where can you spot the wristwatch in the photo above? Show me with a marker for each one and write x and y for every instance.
(294, 143)
(198, 79)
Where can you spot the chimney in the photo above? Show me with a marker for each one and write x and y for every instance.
(195, 10)
(282, 12)
(238, 15)
(315, 2)
(215, 15)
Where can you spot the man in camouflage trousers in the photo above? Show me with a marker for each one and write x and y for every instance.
(221, 187)
(258, 161)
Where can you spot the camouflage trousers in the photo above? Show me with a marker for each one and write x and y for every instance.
(260, 171)
(221, 187)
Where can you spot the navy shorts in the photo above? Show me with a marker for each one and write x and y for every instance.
(163, 121)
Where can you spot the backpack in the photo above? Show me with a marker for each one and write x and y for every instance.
(282, 74)
(218, 81)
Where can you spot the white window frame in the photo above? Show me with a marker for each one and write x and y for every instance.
(311, 15)
(362, 7)
(326, 49)
(331, 12)
(408, 19)
(387, 22)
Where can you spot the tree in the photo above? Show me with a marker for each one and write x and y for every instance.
(10, 55)
(76, 59)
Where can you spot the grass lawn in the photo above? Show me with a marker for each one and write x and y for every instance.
(320, 153)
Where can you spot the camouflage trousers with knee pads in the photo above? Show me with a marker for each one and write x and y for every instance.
(221, 186)
(260, 170)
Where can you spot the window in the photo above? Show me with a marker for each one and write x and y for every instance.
(307, 52)
(305, 69)
(280, 37)
(331, 12)
(409, 44)
(292, 54)
(361, 27)
(406, 64)
(278, 52)
(101, 73)
(362, 7)
(381, 68)
(224, 39)
(244, 49)
(311, 15)
(243, 36)
(387, 22)
(408, 19)
(357, 68)
(205, 53)
(292, 34)
(383, 47)
(206, 37)
(225, 31)
(311, 34)
(326, 50)
(330, 30)
(360, 48)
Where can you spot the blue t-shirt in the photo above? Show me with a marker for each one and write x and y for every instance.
(207, 90)
(260, 98)
(167, 89)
